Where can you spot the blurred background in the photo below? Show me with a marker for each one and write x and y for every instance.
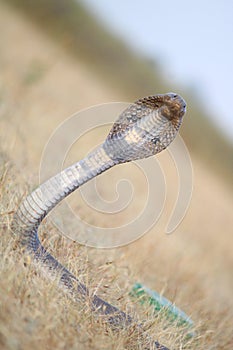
(59, 56)
(190, 43)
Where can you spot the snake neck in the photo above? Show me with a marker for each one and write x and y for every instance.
(42, 200)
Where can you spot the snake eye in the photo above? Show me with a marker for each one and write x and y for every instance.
(172, 95)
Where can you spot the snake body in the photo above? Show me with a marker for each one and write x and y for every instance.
(145, 128)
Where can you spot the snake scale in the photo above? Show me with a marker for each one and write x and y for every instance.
(145, 128)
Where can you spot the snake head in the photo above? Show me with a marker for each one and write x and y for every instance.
(145, 128)
(172, 106)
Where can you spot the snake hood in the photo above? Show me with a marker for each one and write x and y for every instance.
(145, 128)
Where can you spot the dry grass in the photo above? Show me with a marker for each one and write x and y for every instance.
(192, 267)
(36, 314)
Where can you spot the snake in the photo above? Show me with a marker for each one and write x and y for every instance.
(143, 129)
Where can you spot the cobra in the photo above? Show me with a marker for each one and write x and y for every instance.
(144, 129)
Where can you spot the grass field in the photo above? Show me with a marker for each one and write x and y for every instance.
(40, 85)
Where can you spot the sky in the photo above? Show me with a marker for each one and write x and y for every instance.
(191, 40)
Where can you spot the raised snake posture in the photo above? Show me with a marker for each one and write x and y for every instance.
(145, 128)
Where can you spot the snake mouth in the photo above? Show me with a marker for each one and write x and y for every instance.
(181, 106)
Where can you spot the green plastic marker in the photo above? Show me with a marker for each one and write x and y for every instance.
(162, 305)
